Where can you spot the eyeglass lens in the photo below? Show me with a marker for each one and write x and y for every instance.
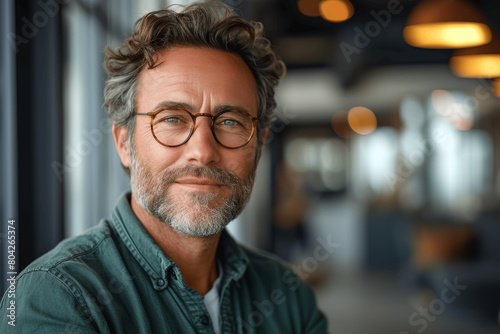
(231, 129)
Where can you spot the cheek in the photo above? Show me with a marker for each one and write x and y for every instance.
(243, 162)
(152, 153)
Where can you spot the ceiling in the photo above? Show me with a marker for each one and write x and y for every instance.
(331, 66)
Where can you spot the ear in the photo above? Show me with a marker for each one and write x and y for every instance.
(120, 137)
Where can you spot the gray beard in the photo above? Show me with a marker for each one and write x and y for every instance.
(197, 217)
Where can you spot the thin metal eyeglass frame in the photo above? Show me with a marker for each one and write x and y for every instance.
(153, 114)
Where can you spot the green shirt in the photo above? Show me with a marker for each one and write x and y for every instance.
(115, 279)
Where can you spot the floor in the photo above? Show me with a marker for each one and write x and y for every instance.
(380, 304)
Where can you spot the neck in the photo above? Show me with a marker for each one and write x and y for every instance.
(195, 256)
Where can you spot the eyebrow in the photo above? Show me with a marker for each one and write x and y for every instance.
(173, 104)
(190, 108)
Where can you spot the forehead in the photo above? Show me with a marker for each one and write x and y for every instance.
(200, 77)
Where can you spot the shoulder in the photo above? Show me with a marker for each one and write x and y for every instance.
(262, 258)
(80, 249)
(41, 302)
(48, 293)
(52, 289)
(273, 282)
(271, 270)
(264, 261)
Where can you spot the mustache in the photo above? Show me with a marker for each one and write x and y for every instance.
(171, 174)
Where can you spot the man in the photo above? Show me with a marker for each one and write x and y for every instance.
(190, 95)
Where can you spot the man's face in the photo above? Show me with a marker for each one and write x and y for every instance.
(199, 187)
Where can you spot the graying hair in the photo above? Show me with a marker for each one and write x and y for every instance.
(210, 24)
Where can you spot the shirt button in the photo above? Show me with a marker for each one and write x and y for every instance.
(160, 282)
(204, 320)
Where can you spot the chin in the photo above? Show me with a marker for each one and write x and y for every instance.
(201, 200)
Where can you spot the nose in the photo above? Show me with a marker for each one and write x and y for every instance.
(202, 148)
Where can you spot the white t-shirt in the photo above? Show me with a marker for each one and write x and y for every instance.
(211, 301)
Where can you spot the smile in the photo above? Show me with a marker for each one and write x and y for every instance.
(200, 184)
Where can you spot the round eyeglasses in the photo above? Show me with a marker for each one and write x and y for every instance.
(173, 126)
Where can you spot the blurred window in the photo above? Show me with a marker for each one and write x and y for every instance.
(439, 158)
(373, 160)
(93, 177)
(459, 166)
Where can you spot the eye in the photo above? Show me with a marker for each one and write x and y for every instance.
(172, 120)
(229, 122)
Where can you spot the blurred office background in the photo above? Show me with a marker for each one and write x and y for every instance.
(379, 183)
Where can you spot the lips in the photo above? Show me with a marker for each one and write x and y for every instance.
(200, 185)
(198, 181)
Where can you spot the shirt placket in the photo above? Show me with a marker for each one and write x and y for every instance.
(194, 307)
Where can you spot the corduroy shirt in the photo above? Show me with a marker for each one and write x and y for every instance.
(115, 279)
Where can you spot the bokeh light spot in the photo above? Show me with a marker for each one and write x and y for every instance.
(336, 10)
(362, 120)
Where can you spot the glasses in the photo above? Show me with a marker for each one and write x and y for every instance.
(173, 126)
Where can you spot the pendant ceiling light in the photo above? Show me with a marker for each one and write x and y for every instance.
(478, 62)
(446, 24)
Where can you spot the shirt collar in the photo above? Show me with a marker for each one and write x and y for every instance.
(155, 263)
(234, 259)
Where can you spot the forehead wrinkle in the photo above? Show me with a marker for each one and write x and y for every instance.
(173, 104)
(158, 76)
(182, 83)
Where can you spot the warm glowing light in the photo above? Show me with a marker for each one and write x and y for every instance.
(446, 24)
(336, 10)
(447, 35)
(442, 100)
(476, 66)
(362, 120)
(309, 7)
(496, 86)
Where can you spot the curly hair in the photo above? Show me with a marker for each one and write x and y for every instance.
(209, 24)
